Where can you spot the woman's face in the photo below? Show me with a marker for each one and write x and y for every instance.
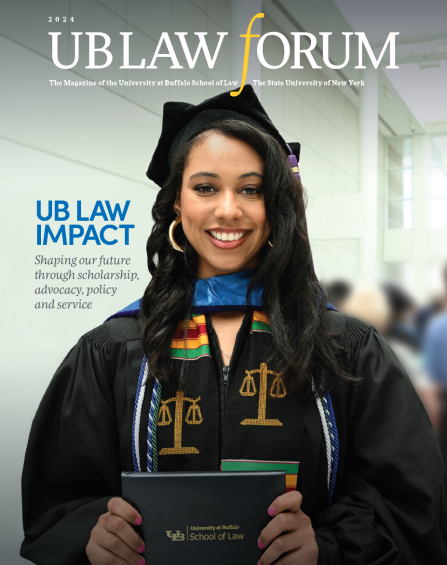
(222, 205)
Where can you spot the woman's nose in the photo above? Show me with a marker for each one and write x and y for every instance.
(227, 206)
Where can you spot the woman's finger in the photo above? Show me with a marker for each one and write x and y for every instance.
(115, 545)
(306, 555)
(122, 508)
(286, 521)
(97, 555)
(121, 529)
(289, 501)
(283, 544)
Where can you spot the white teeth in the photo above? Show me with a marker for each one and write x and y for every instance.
(222, 236)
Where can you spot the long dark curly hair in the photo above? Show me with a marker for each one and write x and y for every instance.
(294, 300)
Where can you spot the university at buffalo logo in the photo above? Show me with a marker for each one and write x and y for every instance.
(176, 536)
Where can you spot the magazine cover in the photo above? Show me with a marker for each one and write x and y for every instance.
(360, 85)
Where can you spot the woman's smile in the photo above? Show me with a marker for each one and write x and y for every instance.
(222, 205)
(228, 238)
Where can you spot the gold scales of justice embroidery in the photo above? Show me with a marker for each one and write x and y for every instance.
(193, 417)
(277, 390)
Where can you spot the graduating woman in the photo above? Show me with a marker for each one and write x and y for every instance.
(233, 360)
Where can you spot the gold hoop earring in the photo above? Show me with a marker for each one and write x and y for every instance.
(172, 241)
(269, 242)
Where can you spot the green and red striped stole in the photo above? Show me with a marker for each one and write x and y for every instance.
(191, 342)
(290, 468)
(260, 322)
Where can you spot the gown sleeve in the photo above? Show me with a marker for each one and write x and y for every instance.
(72, 466)
(390, 505)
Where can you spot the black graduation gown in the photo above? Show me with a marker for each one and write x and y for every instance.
(390, 502)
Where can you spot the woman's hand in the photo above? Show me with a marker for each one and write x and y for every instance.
(298, 545)
(113, 540)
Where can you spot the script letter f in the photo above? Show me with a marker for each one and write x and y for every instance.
(247, 36)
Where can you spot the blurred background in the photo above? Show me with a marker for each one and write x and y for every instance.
(373, 161)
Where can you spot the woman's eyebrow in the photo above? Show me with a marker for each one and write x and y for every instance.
(214, 176)
(204, 174)
(252, 174)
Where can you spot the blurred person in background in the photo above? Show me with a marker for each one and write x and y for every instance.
(402, 308)
(337, 292)
(388, 310)
(369, 304)
(426, 313)
(436, 305)
(405, 341)
(435, 354)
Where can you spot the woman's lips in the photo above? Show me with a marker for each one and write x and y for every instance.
(228, 244)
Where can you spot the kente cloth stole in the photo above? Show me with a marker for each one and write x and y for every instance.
(262, 428)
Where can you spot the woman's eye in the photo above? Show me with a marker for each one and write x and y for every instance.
(204, 188)
(207, 188)
(251, 191)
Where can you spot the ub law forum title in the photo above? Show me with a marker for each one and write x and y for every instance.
(165, 43)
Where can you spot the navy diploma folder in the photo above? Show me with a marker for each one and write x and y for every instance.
(202, 518)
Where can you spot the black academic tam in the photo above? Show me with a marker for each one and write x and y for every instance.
(183, 121)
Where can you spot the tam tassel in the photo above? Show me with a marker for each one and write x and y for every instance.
(293, 163)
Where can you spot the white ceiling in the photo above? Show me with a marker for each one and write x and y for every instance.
(421, 48)
(416, 21)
